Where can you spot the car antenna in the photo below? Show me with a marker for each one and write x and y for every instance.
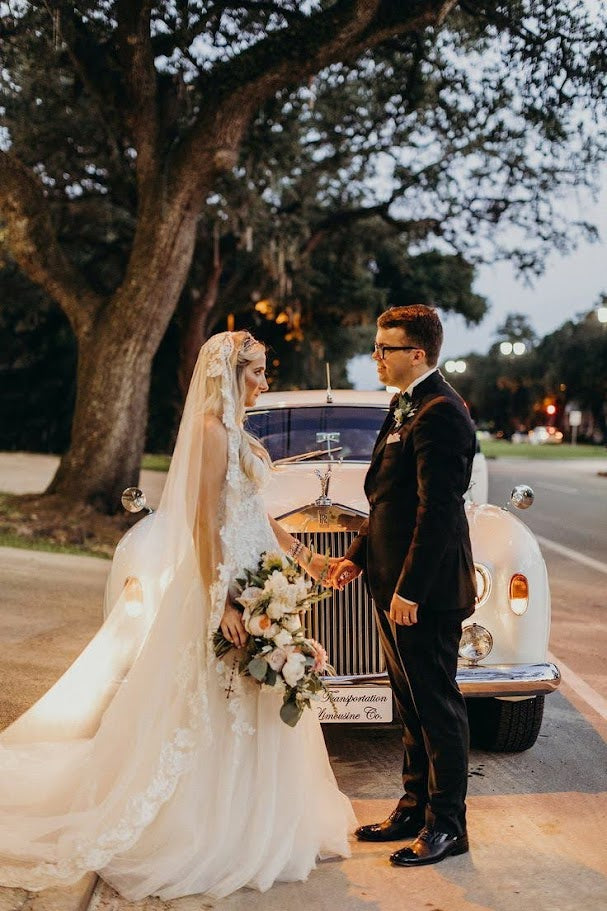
(329, 393)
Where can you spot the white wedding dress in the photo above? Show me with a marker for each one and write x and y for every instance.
(150, 761)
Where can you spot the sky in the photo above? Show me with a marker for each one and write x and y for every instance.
(569, 286)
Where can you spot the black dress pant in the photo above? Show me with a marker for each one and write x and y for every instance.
(421, 662)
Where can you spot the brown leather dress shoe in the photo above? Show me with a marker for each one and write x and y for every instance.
(399, 825)
(430, 847)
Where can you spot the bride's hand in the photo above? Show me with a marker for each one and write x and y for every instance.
(232, 627)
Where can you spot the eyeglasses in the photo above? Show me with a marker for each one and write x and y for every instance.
(380, 350)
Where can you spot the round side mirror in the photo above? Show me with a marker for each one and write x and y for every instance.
(133, 499)
(522, 496)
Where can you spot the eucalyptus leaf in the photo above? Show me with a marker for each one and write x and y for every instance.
(290, 713)
(258, 668)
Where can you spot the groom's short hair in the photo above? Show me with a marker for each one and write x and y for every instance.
(422, 325)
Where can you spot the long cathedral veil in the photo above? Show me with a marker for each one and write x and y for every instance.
(85, 770)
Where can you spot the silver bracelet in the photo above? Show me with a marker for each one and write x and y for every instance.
(295, 549)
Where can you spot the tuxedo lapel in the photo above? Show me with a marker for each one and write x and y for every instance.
(432, 387)
(383, 434)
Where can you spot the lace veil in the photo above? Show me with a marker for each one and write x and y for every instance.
(85, 770)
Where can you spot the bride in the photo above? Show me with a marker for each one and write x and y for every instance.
(151, 761)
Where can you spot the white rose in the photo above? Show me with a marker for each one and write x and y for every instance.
(292, 622)
(276, 659)
(258, 624)
(249, 596)
(294, 668)
(276, 608)
(276, 585)
(271, 631)
(282, 638)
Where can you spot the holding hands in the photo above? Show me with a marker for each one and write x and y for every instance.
(342, 572)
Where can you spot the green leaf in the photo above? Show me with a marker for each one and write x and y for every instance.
(290, 713)
(258, 668)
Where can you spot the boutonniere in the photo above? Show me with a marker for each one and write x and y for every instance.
(404, 410)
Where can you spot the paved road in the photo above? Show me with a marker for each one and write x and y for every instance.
(537, 820)
(571, 500)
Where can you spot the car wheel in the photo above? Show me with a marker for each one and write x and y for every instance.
(505, 727)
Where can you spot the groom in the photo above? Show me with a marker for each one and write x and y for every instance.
(415, 552)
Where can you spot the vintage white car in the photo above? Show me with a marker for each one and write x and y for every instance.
(321, 443)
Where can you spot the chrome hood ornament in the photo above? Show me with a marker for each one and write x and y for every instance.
(325, 479)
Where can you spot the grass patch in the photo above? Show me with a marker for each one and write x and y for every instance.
(10, 539)
(55, 525)
(503, 449)
(156, 462)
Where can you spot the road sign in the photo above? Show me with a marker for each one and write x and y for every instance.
(575, 418)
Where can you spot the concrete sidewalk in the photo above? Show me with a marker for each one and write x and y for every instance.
(29, 472)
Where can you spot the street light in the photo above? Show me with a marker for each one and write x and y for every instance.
(601, 314)
(458, 366)
(516, 348)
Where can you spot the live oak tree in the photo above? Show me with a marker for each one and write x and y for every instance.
(155, 102)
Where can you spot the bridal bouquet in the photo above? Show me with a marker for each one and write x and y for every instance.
(277, 653)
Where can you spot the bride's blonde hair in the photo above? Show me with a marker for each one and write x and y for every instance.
(254, 457)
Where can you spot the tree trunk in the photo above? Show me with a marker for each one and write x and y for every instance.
(196, 325)
(108, 429)
(114, 367)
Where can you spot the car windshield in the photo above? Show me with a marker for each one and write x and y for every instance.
(323, 431)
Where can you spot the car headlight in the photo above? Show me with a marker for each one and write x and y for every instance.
(518, 594)
(483, 583)
(476, 643)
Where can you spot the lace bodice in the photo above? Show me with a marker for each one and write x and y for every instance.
(255, 533)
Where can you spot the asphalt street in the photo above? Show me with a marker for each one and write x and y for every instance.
(537, 819)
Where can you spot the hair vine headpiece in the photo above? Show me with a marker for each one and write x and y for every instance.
(249, 341)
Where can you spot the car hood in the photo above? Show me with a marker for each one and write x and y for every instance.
(298, 485)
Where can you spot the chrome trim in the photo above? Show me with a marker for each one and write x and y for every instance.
(508, 679)
(481, 681)
(485, 572)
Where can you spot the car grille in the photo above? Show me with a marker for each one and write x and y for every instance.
(344, 623)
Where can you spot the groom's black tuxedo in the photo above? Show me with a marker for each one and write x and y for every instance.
(416, 543)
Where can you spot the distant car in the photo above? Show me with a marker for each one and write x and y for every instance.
(321, 444)
(541, 435)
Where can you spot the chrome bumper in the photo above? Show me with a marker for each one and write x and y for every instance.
(508, 679)
(478, 680)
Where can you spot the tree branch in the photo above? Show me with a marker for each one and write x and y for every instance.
(137, 59)
(288, 56)
(416, 228)
(33, 243)
(94, 66)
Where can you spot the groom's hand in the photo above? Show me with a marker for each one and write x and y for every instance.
(402, 611)
(342, 572)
